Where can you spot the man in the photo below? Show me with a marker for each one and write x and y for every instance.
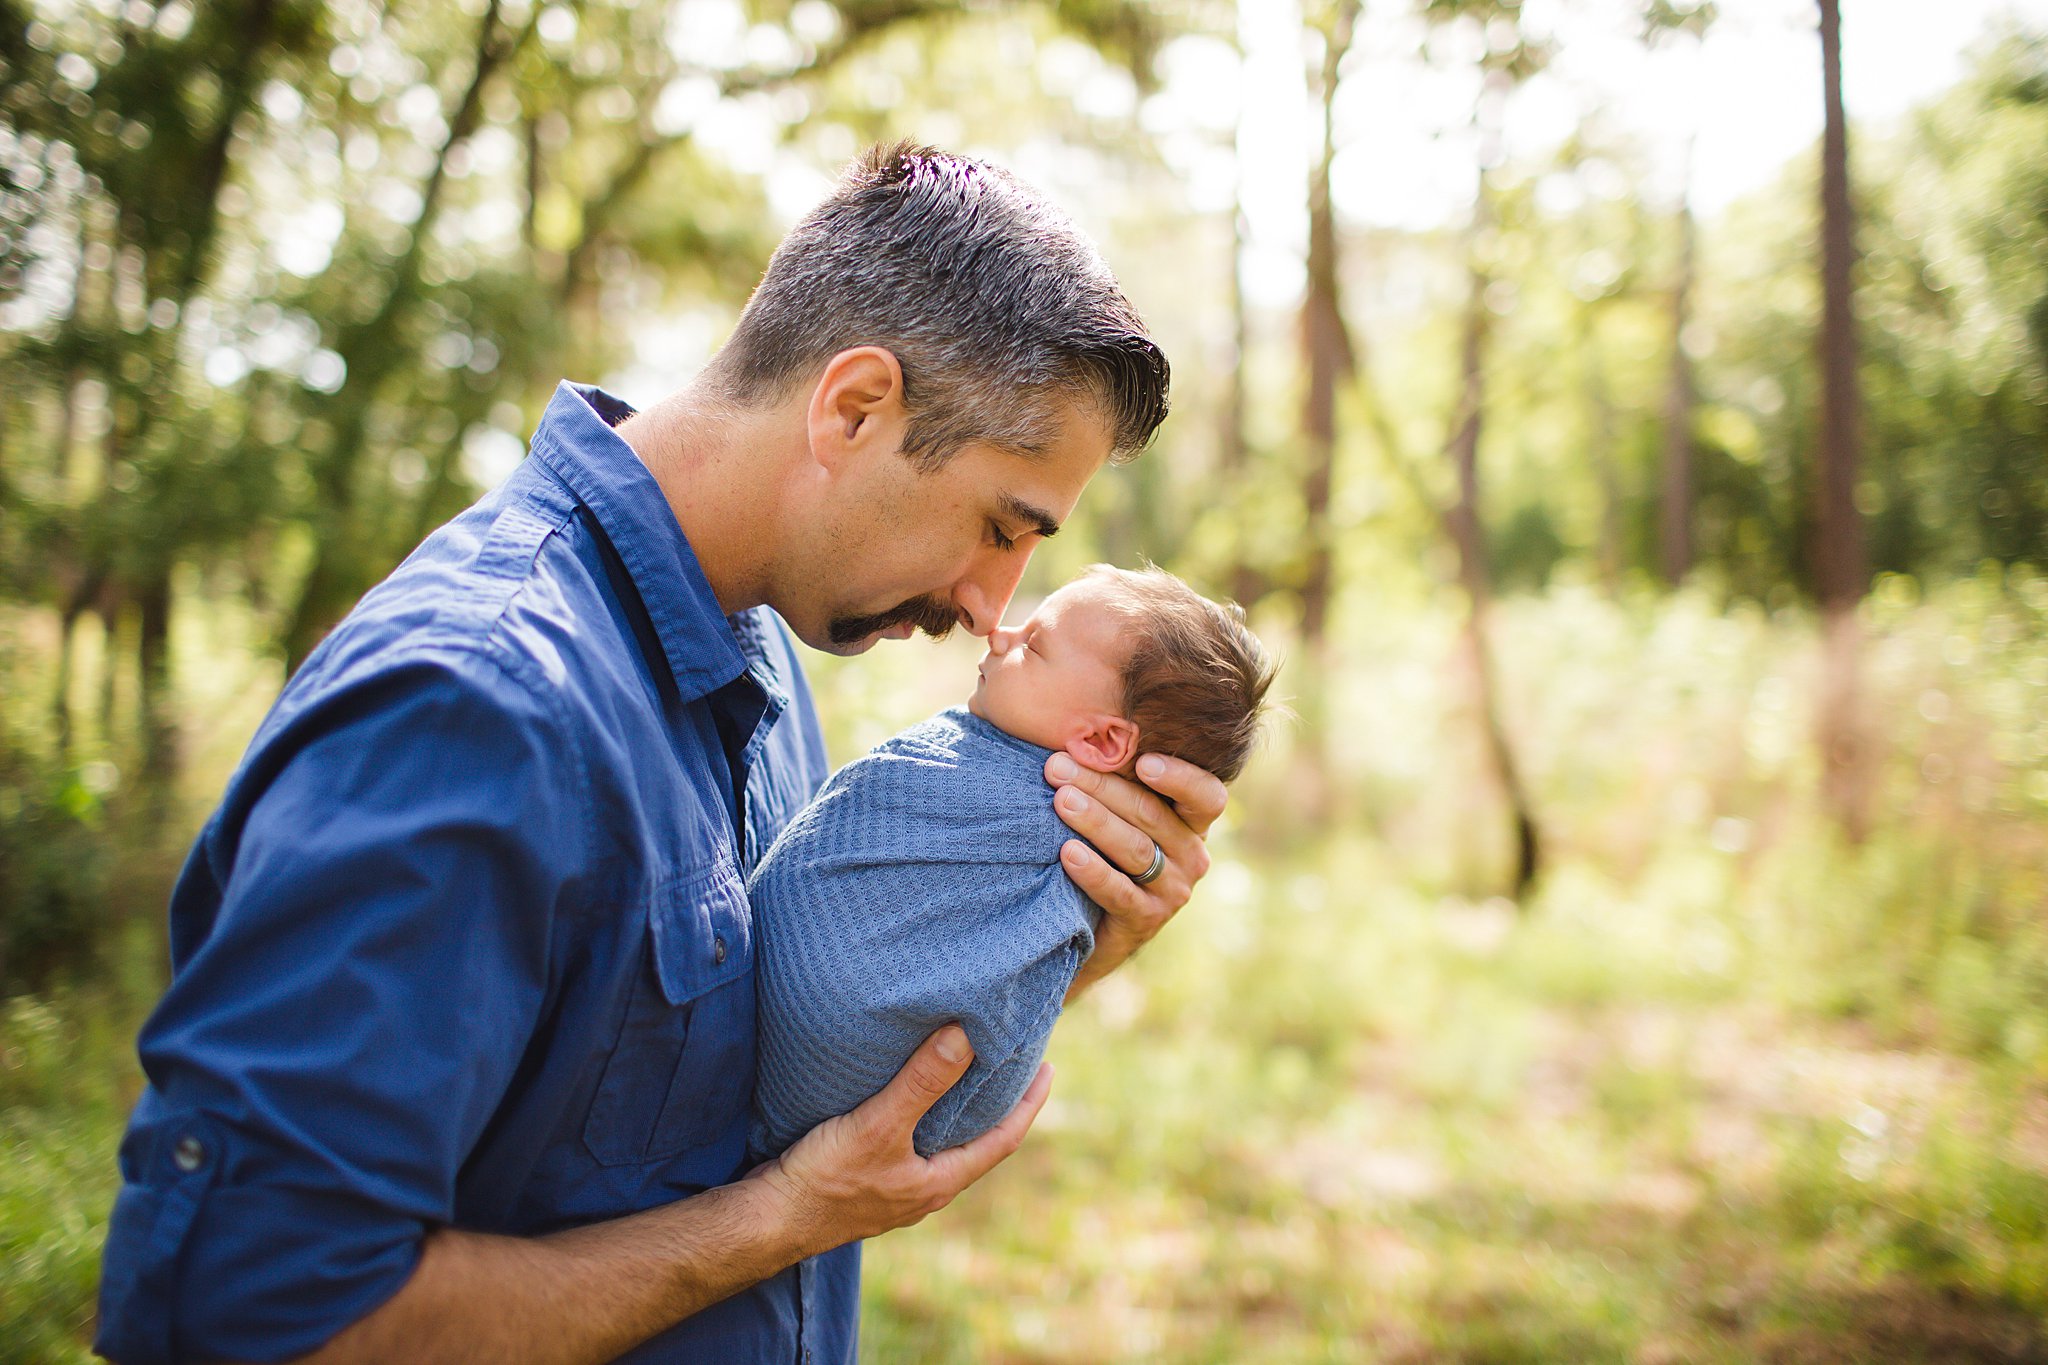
(456, 1058)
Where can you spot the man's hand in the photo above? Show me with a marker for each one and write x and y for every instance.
(858, 1175)
(1173, 807)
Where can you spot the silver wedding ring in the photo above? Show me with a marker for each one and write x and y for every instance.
(1151, 874)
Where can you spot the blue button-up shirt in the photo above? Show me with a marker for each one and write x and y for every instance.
(467, 943)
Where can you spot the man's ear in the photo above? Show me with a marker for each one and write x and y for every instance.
(1105, 743)
(856, 406)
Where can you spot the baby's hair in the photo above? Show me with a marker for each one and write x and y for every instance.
(1195, 683)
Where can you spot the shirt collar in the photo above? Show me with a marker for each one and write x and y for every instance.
(576, 442)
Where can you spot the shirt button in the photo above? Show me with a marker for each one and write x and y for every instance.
(189, 1155)
(718, 951)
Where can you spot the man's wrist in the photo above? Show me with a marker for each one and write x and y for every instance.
(1112, 951)
(770, 1205)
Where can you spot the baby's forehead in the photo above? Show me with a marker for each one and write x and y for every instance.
(1096, 595)
(1102, 613)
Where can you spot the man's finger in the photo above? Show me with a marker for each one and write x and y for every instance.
(1132, 800)
(1119, 838)
(931, 1071)
(1131, 906)
(1198, 796)
(958, 1167)
(1158, 815)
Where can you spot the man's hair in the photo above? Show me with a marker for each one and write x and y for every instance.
(1195, 682)
(995, 305)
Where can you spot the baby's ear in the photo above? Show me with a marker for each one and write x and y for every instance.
(1105, 743)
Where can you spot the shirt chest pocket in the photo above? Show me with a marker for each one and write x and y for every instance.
(682, 1071)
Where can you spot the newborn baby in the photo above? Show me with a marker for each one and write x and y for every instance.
(923, 885)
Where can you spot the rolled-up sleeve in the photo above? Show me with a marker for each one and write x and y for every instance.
(335, 1040)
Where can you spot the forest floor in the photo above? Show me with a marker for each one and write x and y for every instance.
(1312, 1126)
(1318, 1125)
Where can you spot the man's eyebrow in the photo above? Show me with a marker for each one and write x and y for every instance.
(1037, 518)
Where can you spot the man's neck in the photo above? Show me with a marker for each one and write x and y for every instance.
(723, 471)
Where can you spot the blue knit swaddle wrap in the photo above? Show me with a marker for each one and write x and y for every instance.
(922, 886)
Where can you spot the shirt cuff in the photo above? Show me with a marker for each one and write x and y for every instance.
(196, 1270)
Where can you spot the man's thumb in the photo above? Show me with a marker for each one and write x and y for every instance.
(934, 1068)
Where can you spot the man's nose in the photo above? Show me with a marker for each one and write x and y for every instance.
(985, 590)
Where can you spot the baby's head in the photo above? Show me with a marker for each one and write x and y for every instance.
(1120, 663)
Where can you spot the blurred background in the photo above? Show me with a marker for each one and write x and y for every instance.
(1633, 945)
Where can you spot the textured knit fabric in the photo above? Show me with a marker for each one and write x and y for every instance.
(923, 886)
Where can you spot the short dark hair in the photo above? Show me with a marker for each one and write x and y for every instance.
(1196, 679)
(993, 302)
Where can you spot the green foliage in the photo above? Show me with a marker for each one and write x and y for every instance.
(67, 1077)
(56, 844)
(1691, 18)
(1955, 225)
(284, 283)
(54, 909)
(1954, 376)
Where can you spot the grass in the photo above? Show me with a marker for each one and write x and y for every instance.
(1726, 1090)
(1384, 1129)
(67, 1080)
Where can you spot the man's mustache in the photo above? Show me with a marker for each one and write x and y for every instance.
(935, 616)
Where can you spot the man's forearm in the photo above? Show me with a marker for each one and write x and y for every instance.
(585, 1295)
(592, 1293)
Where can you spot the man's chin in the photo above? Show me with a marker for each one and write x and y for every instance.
(846, 649)
(854, 634)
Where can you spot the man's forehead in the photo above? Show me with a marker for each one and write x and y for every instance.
(1052, 478)
(1042, 491)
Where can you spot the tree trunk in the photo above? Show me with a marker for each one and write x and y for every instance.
(1326, 346)
(1599, 414)
(1676, 525)
(1247, 580)
(60, 700)
(238, 80)
(1839, 572)
(157, 712)
(1466, 528)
